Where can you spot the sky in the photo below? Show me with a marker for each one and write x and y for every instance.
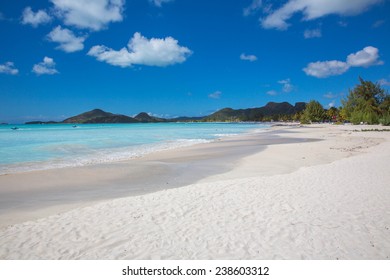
(170, 58)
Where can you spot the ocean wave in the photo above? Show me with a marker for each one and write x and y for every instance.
(225, 135)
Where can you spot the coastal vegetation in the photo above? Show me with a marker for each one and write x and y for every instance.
(366, 103)
(314, 112)
(375, 130)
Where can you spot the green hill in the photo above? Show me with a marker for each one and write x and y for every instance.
(272, 110)
(145, 118)
(100, 116)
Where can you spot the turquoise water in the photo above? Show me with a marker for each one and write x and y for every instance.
(36, 147)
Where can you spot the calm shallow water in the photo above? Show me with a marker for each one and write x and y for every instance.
(36, 147)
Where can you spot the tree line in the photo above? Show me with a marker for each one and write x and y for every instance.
(367, 103)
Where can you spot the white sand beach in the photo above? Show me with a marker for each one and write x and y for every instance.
(308, 192)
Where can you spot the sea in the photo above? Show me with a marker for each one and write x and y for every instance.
(47, 146)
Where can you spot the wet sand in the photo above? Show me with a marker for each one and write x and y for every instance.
(32, 195)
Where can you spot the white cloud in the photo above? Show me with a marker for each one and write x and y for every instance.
(253, 7)
(249, 57)
(332, 104)
(90, 14)
(384, 82)
(35, 19)
(278, 18)
(323, 69)
(8, 68)
(143, 51)
(364, 58)
(330, 95)
(67, 40)
(215, 95)
(272, 92)
(287, 86)
(47, 66)
(163, 116)
(313, 9)
(159, 3)
(312, 33)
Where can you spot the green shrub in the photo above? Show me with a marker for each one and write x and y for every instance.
(385, 120)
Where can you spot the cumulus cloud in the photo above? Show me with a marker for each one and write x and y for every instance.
(215, 95)
(313, 9)
(252, 8)
(249, 57)
(365, 58)
(312, 33)
(35, 19)
(89, 14)
(143, 51)
(159, 3)
(8, 68)
(68, 42)
(46, 67)
(287, 86)
(323, 69)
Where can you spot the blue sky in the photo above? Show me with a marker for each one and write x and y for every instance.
(173, 58)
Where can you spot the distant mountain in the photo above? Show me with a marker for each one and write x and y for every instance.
(229, 114)
(272, 109)
(145, 118)
(300, 106)
(100, 116)
(283, 108)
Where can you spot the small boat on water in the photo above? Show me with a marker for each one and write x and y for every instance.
(74, 126)
(14, 128)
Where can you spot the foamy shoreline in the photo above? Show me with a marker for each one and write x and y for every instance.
(104, 157)
(326, 199)
(61, 146)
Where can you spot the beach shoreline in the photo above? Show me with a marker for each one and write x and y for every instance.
(35, 194)
(300, 175)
